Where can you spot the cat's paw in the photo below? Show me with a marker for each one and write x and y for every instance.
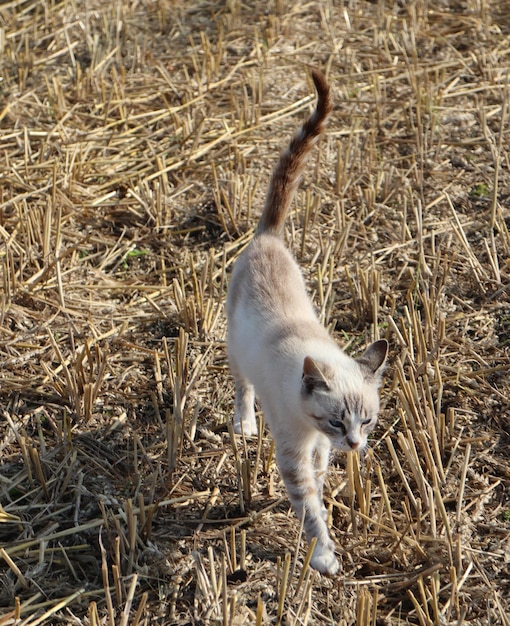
(324, 561)
(248, 428)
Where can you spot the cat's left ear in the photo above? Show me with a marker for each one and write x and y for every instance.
(372, 361)
(313, 378)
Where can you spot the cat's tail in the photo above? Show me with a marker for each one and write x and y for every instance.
(287, 174)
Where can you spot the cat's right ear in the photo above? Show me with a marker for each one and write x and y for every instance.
(313, 378)
(372, 361)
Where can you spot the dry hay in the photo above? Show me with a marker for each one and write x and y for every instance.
(137, 138)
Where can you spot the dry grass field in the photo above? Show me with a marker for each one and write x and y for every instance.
(136, 142)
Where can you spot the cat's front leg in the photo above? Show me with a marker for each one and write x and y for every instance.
(321, 454)
(245, 422)
(324, 559)
(299, 477)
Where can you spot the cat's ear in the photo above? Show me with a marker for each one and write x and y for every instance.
(313, 378)
(372, 361)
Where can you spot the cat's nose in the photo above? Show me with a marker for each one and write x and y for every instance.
(354, 444)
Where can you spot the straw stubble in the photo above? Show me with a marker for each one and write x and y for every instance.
(137, 142)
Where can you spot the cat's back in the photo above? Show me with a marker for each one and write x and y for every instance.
(267, 279)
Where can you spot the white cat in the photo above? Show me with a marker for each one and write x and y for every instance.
(313, 395)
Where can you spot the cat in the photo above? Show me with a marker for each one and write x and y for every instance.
(313, 394)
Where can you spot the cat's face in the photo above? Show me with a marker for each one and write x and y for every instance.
(344, 405)
(346, 419)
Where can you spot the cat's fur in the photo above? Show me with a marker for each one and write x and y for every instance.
(313, 395)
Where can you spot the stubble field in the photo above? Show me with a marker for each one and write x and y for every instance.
(137, 139)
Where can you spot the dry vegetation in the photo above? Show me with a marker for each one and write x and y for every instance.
(137, 137)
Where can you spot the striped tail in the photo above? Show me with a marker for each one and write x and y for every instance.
(287, 174)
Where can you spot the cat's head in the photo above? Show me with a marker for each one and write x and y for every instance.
(343, 401)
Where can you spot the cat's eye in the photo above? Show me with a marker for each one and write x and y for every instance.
(366, 422)
(338, 424)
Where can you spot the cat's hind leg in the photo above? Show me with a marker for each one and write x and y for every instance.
(245, 422)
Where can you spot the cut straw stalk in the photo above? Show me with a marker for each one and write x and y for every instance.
(180, 500)
(14, 568)
(53, 610)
